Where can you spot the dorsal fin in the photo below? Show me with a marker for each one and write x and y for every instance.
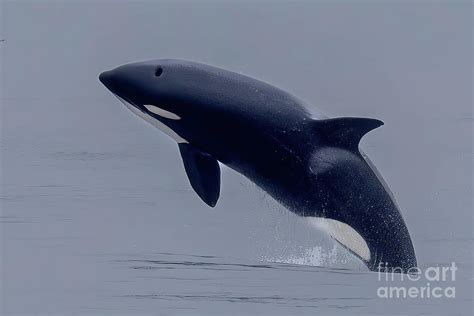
(345, 132)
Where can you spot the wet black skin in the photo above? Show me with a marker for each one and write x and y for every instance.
(268, 136)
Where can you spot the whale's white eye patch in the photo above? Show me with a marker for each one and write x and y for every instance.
(344, 234)
(163, 113)
(153, 121)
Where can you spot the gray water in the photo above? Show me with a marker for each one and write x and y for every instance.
(98, 218)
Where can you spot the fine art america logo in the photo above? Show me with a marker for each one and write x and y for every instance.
(436, 282)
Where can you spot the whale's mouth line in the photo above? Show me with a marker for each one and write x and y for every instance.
(144, 113)
(149, 109)
(129, 104)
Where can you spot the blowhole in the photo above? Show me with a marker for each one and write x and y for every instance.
(158, 71)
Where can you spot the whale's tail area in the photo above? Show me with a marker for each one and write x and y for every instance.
(358, 209)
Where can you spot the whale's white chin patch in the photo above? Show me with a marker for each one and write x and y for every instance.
(344, 234)
(164, 128)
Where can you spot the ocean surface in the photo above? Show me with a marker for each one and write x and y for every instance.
(98, 218)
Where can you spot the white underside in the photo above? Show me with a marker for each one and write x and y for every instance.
(344, 234)
(164, 128)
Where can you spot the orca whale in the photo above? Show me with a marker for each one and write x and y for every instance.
(311, 166)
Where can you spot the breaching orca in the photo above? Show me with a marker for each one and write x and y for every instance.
(311, 166)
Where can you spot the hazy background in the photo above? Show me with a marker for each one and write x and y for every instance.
(88, 190)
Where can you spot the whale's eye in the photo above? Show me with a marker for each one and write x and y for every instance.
(158, 71)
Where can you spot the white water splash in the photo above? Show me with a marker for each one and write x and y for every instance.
(316, 256)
